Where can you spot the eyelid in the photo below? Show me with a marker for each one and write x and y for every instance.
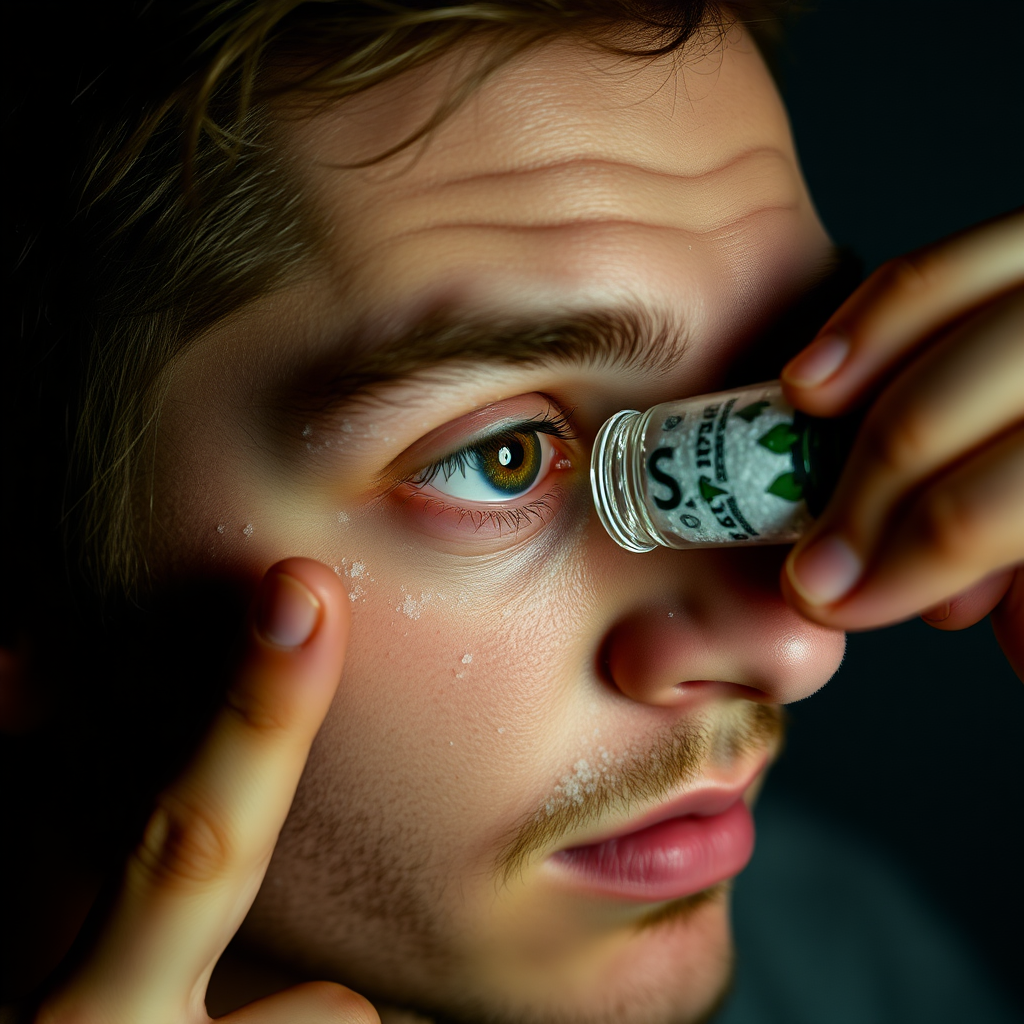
(550, 427)
(552, 419)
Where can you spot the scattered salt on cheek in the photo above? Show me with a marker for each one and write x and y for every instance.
(307, 433)
(355, 571)
(343, 516)
(467, 658)
(248, 530)
(412, 607)
(583, 780)
(220, 527)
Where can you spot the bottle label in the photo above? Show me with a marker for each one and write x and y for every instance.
(727, 470)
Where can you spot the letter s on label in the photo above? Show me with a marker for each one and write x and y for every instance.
(665, 504)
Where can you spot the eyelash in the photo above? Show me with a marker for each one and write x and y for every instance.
(559, 426)
(511, 519)
(504, 519)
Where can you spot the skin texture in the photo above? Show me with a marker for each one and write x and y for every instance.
(493, 664)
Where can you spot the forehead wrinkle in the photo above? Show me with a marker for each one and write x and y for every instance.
(589, 192)
(599, 162)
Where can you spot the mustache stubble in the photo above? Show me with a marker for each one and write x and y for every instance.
(590, 793)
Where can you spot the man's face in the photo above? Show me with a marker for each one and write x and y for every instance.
(599, 234)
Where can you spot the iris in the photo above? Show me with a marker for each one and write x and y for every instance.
(509, 462)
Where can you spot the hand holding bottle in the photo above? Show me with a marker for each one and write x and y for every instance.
(928, 515)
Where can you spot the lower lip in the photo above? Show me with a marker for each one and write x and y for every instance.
(670, 860)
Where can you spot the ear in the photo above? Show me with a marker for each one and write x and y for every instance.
(22, 704)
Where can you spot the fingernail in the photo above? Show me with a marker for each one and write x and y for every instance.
(819, 361)
(938, 613)
(825, 571)
(288, 611)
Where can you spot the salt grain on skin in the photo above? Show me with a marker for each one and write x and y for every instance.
(357, 572)
(584, 779)
(248, 530)
(412, 607)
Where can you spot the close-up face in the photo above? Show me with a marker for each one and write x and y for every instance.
(527, 711)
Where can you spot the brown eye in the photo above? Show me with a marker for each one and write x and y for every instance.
(498, 468)
(510, 462)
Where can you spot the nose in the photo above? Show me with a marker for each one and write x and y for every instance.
(721, 618)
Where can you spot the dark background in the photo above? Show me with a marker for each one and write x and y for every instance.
(908, 120)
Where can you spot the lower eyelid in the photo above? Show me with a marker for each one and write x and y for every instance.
(495, 527)
(488, 524)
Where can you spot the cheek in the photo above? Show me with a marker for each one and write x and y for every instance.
(453, 697)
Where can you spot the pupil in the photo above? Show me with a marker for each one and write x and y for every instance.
(511, 463)
(510, 455)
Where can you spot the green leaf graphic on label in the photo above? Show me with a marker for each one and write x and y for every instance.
(708, 491)
(785, 486)
(752, 411)
(780, 438)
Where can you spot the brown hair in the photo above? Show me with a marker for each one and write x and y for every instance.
(155, 204)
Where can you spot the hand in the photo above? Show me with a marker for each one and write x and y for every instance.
(928, 517)
(192, 878)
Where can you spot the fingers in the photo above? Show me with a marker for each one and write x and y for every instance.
(959, 528)
(317, 1002)
(903, 304)
(191, 880)
(971, 605)
(947, 407)
(930, 502)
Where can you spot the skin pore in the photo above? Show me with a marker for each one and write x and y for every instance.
(509, 666)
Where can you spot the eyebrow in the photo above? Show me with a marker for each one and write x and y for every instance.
(435, 346)
(365, 361)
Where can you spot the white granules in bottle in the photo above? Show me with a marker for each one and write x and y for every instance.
(737, 467)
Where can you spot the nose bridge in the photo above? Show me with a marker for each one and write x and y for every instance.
(677, 617)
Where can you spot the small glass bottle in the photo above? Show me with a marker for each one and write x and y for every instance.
(736, 467)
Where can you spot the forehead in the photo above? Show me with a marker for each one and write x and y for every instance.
(569, 177)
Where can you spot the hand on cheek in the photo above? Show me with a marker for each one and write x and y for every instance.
(928, 517)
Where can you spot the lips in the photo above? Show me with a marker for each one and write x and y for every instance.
(677, 850)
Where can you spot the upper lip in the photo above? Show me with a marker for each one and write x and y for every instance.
(702, 802)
